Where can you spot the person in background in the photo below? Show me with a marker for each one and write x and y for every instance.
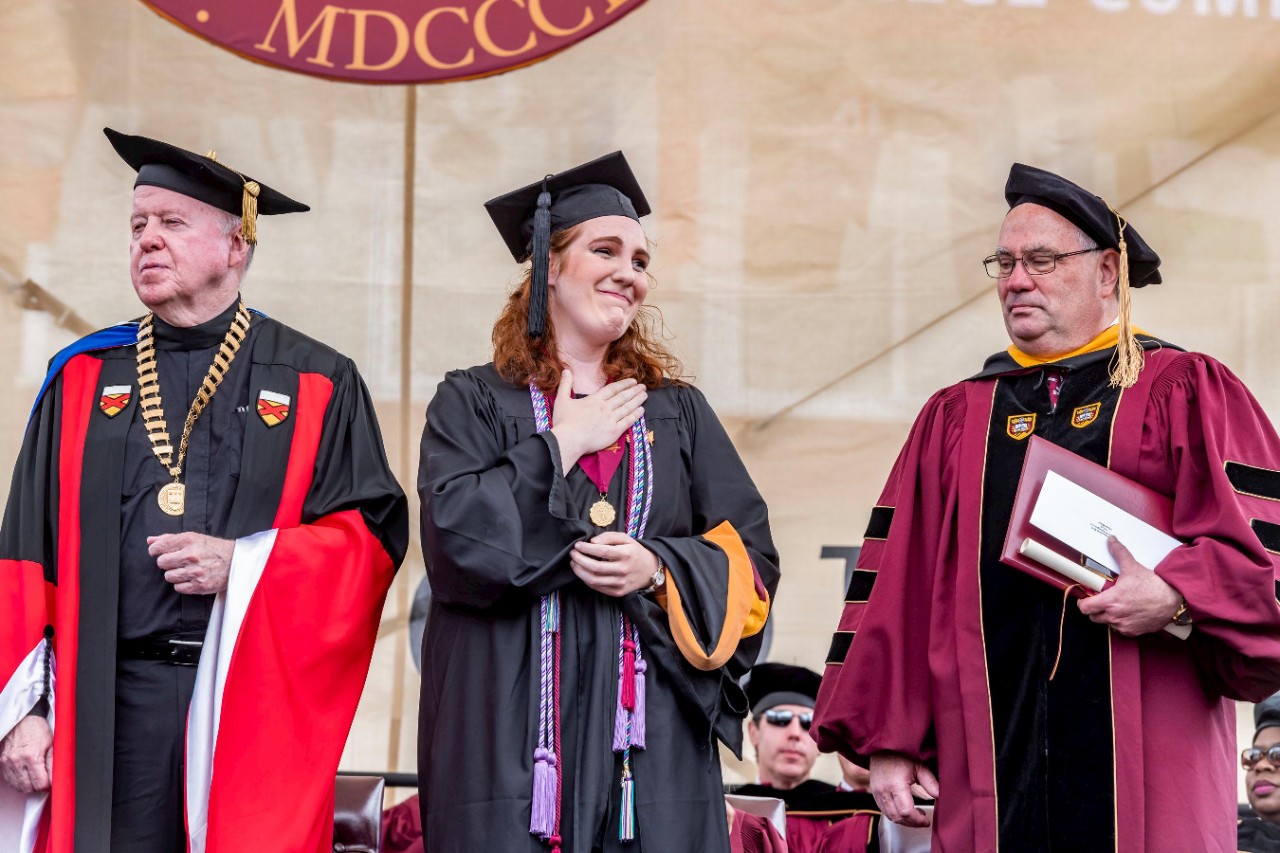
(1260, 831)
(853, 777)
(782, 698)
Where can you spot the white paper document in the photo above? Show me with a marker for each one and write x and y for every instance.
(1081, 520)
(895, 838)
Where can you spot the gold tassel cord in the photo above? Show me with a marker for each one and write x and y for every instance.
(1129, 357)
(249, 212)
(1062, 621)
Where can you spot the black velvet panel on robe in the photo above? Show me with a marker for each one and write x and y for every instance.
(1053, 740)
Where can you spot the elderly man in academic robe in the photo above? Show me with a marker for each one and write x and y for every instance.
(940, 672)
(200, 533)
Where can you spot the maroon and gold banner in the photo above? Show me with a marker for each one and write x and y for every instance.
(395, 41)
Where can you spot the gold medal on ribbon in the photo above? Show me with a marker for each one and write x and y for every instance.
(172, 498)
(602, 513)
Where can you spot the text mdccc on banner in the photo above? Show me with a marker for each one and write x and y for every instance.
(395, 41)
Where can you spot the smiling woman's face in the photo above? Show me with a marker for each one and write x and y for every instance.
(599, 282)
(1262, 780)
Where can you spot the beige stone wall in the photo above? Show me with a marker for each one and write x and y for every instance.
(826, 176)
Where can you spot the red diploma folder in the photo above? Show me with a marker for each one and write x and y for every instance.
(1044, 456)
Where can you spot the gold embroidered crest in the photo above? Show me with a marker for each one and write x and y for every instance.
(1021, 426)
(1085, 415)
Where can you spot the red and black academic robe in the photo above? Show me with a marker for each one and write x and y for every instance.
(320, 528)
(943, 653)
(499, 516)
(823, 819)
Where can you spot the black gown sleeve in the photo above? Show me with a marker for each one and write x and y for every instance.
(721, 580)
(352, 472)
(496, 525)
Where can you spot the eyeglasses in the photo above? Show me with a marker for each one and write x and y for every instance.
(782, 719)
(1253, 755)
(1001, 264)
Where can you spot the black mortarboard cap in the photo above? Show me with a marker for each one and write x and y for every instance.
(203, 178)
(1266, 714)
(527, 217)
(1088, 212)
(773, 684)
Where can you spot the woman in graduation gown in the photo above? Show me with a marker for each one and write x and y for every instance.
(600, 561)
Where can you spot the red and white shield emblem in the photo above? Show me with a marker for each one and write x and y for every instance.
(273, 408)
(114, 399)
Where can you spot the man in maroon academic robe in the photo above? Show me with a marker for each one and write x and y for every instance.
(939, 674)
(254, 534)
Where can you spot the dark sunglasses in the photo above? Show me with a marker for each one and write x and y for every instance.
(1253, 755)
(784, 718)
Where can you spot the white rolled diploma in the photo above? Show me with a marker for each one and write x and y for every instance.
(1085, 577)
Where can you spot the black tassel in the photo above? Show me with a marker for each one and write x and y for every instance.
(541, 262)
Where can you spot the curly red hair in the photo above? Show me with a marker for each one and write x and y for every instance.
(520, 359)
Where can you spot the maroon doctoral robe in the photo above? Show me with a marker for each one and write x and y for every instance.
(1131, 747)
(814, 811)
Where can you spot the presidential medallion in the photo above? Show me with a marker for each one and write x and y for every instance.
(602, 513)
(172, 498)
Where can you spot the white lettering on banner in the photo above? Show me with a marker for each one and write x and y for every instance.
(1227, 8)
(1222, 8)
(1200, 8)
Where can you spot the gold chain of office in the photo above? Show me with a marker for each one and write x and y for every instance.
(173, 496)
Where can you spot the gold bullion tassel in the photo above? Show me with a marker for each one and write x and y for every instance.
(1129, 355)
(249, 212)
(602, 513)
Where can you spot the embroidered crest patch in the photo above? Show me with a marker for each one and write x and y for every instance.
(1021, 426)
(115, 399)
(273, 408)
(1085, 415)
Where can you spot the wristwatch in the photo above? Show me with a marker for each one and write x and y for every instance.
(1183, 616)
(658, 579)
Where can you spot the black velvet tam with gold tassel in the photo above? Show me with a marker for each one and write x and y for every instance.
(1139, 264)
(203, 178)
(1088, 212)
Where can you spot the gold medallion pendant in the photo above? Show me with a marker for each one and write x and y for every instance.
(172, 498)
(602, 513)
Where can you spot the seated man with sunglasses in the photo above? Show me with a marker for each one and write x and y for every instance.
(1259, 832)
(782, 698)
